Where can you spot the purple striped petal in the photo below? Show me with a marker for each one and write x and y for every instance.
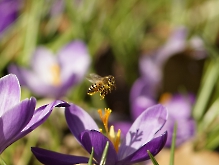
(154, 146)
(143, 130)
(14, 120)
(10, 93)
(79, 120)
(98, 141)
(53, 158)
(40, 115)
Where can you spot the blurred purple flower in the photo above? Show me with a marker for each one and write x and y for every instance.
(53, 75)
(179, 110)
(18, 118)
(8, 12)
(142, 136)
(144, 92)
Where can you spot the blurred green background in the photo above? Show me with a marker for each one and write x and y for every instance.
(117, 33)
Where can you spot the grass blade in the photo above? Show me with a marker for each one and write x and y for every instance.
(152, 158)
(173, 145)
(90, 162)
(103, 158)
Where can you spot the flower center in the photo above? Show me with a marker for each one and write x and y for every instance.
(165, 97)
(55, 71)
(110, 133)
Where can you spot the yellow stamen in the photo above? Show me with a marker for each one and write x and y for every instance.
(110, 133)
(117, 140)
(55, 71)
(105, 117)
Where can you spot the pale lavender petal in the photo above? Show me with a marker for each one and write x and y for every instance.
(143, 129)
(79, 120)
(123, 126)
(74, 59)
(175, 44)
(10, 93)
(34, 83)
(185, 130)
(14, 120)
(98, 141)
(180, 106)
(39, 116)
(53, 158)
(151, 72)
(197, 45)
(140, 104)
(154, 146)
(42, 62)
(17, 71)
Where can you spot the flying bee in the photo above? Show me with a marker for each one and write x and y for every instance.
(104, 85)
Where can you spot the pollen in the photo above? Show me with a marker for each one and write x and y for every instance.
(105, 117)
(110, 133)
(55, 71)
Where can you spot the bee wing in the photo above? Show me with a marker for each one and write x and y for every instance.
(93, 77)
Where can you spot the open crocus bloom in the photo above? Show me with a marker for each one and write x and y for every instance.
(142, 136)
(18, 118)
(53, 75)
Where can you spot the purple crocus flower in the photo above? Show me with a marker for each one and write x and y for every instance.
(8, 12)
(18, 118)
(142, 136)
(51, 75)
(179, 110)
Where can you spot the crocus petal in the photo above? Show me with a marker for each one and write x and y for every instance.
(40, 115)
(38, 86)
(140, 104)
(74, 58)
(143, 129)
(79, 120)
(14, 120)
(41, 62)
(185, 130)
(175, 44)
(98, 141)
(154, 146)
(8, 13)
(123, 126)
(180, 106)
(53, 158)
(10, 93)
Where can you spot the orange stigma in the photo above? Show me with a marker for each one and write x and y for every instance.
(110, 133)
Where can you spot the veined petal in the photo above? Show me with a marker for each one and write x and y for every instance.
(143, 129)
(154, 146)
(54, 158)
(74, 58)
(39, 116)
(10, 93)
(98, 141)
(14, 120)
(79, 120)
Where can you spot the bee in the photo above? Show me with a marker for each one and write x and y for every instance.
(104, 85)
